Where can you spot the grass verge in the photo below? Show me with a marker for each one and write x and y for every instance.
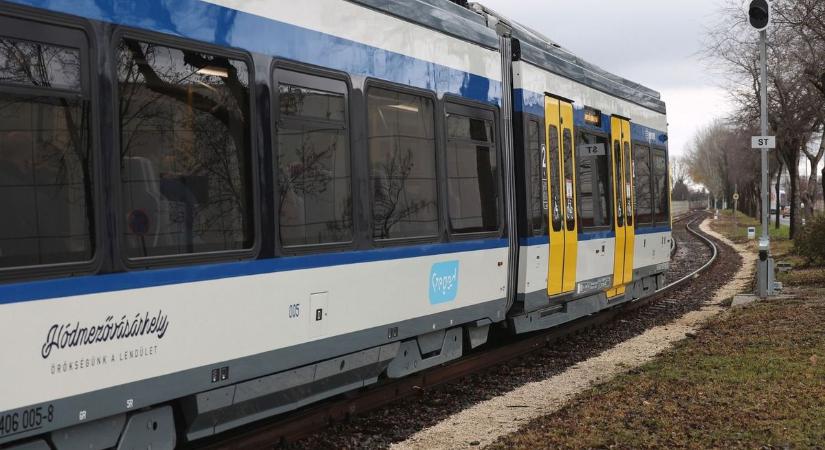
(752, 378)
(735, 228)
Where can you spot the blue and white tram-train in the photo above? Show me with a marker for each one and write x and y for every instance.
(215, 211)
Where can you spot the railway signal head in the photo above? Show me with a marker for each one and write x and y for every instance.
(759, 14)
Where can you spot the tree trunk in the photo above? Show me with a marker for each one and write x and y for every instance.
(811, 188)
(793, 173)
(822, 180)
(778, 208)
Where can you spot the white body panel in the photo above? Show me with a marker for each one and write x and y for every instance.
(220, 320)
(533, 264)
(347, 20)
(651, 249)
(595, 259)
(531, 78)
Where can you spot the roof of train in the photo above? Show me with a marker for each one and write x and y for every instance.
(476, 23)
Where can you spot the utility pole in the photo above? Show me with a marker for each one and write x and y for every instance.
(759, 16)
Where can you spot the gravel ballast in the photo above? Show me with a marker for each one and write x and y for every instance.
(402, 420)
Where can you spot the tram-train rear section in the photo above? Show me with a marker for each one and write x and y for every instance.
(225, 210)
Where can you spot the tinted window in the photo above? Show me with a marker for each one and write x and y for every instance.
(471, 174)
(617, 183)
(185, 151)
(660, 177)
(313, 167)
(39, 65)
(595, 207)
(555, 178)
(644, 194)
(311, 103)
(569, 167)
(402, 164)
(46, 190)
(538, 178)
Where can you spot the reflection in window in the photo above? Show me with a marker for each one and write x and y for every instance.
(569, 179)
(185, 146)
(538, 178)
(313, 167)
(617, 183)
(644, 194)
(311, 103)
(628, 183)
(660, 181)
(32, 64)
(471, 174)
(402, 164)
(555, 178)
(46, 190)
(593, 177)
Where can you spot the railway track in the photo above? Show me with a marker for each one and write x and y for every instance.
(302, 423)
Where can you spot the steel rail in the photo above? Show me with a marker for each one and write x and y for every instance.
(304, 422)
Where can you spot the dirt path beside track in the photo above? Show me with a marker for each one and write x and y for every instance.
(485, 422)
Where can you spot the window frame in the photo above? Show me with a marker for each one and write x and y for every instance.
(555, 185)
(312, 74)
(529, 171)
(150, 262)
(610, 188)
(438, 139)
(474, 110)
(650, 223)
(664, 152)
(55, 29)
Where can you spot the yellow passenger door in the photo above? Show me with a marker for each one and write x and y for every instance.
(561, 182)
(629, 201)
(622, 172)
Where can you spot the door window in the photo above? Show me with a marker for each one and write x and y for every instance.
(569, 188)
(555, 182)
(617, 183)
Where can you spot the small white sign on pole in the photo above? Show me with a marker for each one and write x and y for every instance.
(760, 142)
(751, 232)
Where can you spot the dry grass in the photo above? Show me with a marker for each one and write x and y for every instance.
(754, 377)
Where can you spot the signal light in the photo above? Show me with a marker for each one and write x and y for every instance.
(759, 14)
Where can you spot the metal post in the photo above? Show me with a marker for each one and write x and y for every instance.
(764, 242)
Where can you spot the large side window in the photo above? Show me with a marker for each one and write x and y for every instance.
(595, 207)
(313, 165)
(644, 193)
(402, 164)
(46, 182)
(472, 173)
(538, 178)
(184, 151)
(661, 206)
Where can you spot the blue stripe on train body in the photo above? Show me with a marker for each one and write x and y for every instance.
(529, 102)
(221, 26)
(91, 284)
(225, 27)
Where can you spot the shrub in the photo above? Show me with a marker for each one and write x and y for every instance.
(810, 242)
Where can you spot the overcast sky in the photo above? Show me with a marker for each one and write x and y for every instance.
(652, 42)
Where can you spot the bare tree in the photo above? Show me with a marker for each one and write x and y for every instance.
(795, 105)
